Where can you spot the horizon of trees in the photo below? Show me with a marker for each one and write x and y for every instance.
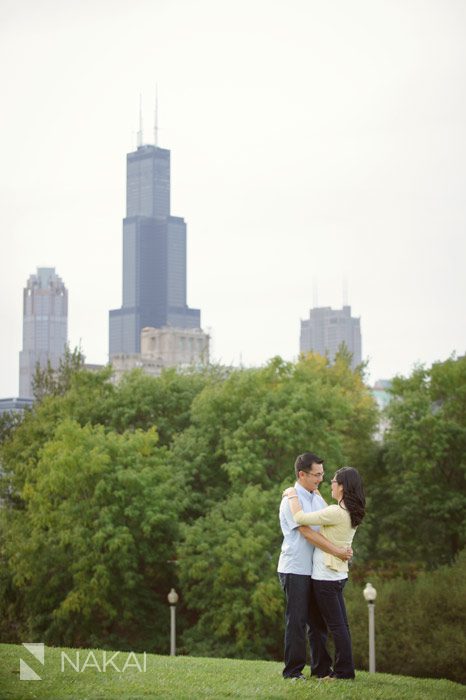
(112, 494)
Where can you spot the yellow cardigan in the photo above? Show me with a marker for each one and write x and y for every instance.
(336, 527)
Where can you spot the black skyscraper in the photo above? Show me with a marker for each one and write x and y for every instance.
(154, 255)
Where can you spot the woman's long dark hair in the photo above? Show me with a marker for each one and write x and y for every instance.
(353, 493)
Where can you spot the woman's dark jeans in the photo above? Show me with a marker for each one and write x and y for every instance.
(329, 597)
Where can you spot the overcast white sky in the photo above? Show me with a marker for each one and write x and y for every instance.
(311, 141)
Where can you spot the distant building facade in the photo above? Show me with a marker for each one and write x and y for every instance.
(326, 329)
(154, 255)
(381, 393)
(14, 405)
(162, 348)
(45, 325)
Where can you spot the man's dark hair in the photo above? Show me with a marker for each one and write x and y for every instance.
(305, 461)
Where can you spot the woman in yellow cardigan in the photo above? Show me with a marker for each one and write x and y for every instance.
(330, 574)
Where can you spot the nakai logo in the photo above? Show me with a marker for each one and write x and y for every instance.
(26, 673)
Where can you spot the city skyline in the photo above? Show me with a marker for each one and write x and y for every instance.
(331, 146)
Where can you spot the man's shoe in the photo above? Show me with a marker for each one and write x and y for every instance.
(295, 678)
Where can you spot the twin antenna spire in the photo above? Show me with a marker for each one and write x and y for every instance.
(140, 135)
(315, 292)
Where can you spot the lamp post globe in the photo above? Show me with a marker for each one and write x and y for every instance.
(370, 594)
(172, 598)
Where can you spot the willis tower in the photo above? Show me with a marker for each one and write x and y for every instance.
(154, 254)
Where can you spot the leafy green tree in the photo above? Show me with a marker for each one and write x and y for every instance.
(88, 552)
(419, 497)
(86, 401)
(48, 381)
(80, 424)
(249, 428)
(140, 401)
(85, 429)
(227, 575)
(9, 421)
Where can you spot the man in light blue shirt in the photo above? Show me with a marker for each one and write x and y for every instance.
(302, 615)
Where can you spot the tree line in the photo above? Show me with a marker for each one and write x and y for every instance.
(111, 494)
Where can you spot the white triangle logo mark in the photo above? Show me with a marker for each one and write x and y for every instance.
(26, 673)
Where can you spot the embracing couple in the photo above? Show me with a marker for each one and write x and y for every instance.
(313, 567)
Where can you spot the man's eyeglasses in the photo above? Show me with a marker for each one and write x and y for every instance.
(320, 475)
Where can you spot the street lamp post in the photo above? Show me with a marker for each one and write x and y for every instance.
(370, 594)
(172, 599)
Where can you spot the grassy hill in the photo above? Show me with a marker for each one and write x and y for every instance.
(65, 674)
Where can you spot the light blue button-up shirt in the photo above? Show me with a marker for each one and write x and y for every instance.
(296, 554)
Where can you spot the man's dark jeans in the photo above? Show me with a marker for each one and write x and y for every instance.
(329, 597)
(302, 620)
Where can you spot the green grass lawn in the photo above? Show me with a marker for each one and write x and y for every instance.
(192, 677)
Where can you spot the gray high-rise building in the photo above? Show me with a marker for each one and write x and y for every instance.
(154, 255)
(45, 325)
(326, 329)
